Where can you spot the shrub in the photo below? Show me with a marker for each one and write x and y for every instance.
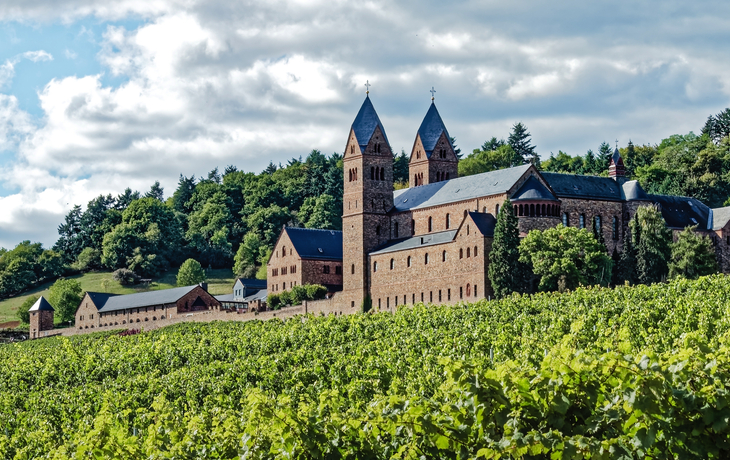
(23, 313)
(191, 272)
(125, 277)
(315, 291)
(89, 258)
(298, 294)
(285, 297)
(273, 301)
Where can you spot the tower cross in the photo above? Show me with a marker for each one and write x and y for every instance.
(367, 86)
(432, 92)
(616, 143)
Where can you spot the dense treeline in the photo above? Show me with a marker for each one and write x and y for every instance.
(634, 372)
(231, 219)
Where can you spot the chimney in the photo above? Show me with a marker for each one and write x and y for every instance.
(204, 285)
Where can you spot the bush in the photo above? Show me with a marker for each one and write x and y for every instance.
(285, 297)
(316, 291)
(273, 301)
(65, 297)
(125, 277)
(191, 272)
(89, 258)
(23, 313)
(298, 294)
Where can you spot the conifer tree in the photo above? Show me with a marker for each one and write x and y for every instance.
(519, 140)
(506, 273)
(652, 239)
(626, 269)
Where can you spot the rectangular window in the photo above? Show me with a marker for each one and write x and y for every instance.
(475, 290)
(396, 300)
(448, 292)
(387, 302)
(326, 269)
(430, 296)
(378, 304)
(422, 297)
(414, 298)
(404, 299)
(338, 270)
(461, 292)
(439, 295)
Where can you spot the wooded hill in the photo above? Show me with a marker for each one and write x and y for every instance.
(231, 219)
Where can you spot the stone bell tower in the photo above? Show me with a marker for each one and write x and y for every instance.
(432, 158)
(368, 196)
(41, 318)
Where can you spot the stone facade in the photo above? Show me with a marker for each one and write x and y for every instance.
(40, 321)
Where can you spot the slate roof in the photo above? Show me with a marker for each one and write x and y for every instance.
(225, 298)
(41, 305)
(430, 130)
(590, 187)
(720, 217)
(533, 189)
(485, 222)
(616, 156)
(459, 189)
(681, 211)
(316, 244)
(251, 282)
(431, 239)
(260, 295)
(633, 191)
(111, 302)
(365, 122)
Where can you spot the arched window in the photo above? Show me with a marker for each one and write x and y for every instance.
(377, 230)
(468, 290)
(395, 229)
(520, 213)
(283, 251)
(408, 262)
(566, 220)
(415, 180)
(352, 149)
(392, 264)
(349, 172)
(475, 251)
(543, 211)
(382, 174)
(532, 210)
(375, 266)
(496, 210)
(615, 228)
(448, 221)
(468, 252)
(372, 173)
(430, 224)
(443, 257)
(461, 253)
(447, 176)
(582, 221)
(425, 259)
(597, 224)
(353, 269)
(467, 229)
(413, 226)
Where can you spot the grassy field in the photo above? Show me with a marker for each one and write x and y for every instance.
(220, 281)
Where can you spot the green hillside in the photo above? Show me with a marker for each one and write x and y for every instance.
(640, 372)
(220, 281)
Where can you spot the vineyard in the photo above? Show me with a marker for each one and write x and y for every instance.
(635, 372)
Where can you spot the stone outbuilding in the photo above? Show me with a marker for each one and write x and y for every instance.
(41, 318)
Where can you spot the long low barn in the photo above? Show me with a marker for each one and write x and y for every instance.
(99, 309)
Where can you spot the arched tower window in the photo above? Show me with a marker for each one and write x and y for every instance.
(468, 252)
(566, 220)
(413, 226)
(392, 264)
(395, 229)
(408, 261)
(382, 173)
(448, 221)
(475, 251)
(496, 210)
(582, 221)
(353, 269)
(425, 259)
(597, 224)
(372, 173)
(468, 290)
(430, 224)
(461, 253)
(443, 257)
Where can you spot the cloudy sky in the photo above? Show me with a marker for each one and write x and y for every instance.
(97, 97)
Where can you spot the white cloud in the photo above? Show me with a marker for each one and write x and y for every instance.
(206, 84)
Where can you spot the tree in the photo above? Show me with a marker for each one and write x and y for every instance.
(125, 277)
(191, 272)
(320, 212)
(626, 269)
(156, 192)
(65, 297)
(565, 258)
(247, 255)
(23, 309)
(208, 231)
(652, 239)
(183, 193)
(400, 167)
(693, 255)
(492, 144)
(70, 242)
(506, 273)
(125, 199)
(89, 259)
(603, 159)
(519, 140)
(717, 126)
(480, 161)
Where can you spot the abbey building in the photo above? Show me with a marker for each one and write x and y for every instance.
(431, 241)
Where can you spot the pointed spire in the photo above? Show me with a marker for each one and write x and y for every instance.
(41, 304)
(616, 167)
(431, 128)
(365, 123)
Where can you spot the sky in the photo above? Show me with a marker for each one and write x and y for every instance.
(97, 96)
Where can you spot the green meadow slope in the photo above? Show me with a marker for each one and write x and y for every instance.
(635, 372)
(220, 281)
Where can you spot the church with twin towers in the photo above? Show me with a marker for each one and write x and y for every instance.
(430, 242)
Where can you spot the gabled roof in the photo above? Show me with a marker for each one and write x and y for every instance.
(720, 217)
(260, 295)
(533, 189)
(41, 305)
(484, 221)
(251, 282)
(420, 241)
(459, 189)
(430, 130)
(681, 211)
(110, 302)
(591, 187)
(313, 243)
(365, 122)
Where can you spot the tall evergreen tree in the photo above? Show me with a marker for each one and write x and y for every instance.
(156, 191)
(183, 193)
(626, 269)
(718, 126)
(506, 273)
(603, 159)
(125, 199)
(519, 140)
(652, 245)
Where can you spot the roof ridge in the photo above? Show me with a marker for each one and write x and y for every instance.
(313, 229)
